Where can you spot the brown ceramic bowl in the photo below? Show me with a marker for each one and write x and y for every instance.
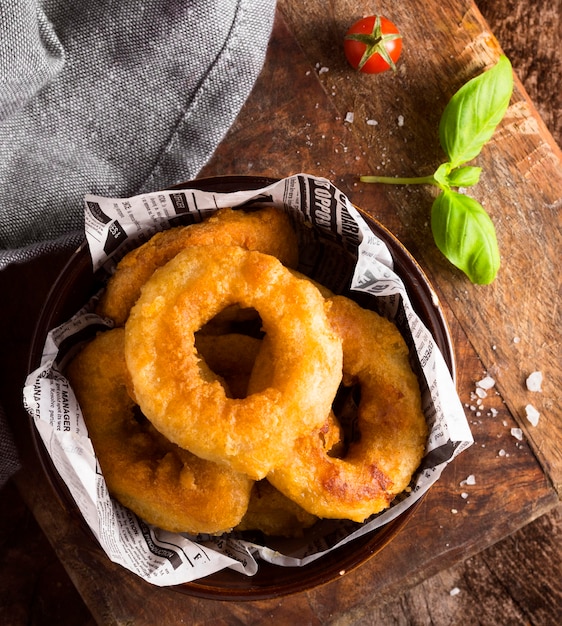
(74, 287)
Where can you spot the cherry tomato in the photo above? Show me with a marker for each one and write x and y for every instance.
(373, 44)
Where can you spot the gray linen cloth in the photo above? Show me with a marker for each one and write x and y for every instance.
(112, 97)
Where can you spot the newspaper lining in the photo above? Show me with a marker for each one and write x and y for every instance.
(338, 249)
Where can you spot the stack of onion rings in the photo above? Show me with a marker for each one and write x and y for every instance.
(234, 362)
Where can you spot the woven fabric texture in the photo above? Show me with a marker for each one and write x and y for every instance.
(114, 98)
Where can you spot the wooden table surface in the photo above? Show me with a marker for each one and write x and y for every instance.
(294, 121)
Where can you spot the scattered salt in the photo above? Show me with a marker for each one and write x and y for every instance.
(349, 117)
(516, 340)
(470, 480)
(534, 381)
(323, 70)
(372, 122)
(501, 452)
(532, 414)
(480, 392)
(517, 433)
(400, 120)
(464, 495)
(454, 591)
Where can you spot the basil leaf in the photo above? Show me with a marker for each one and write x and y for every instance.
(441, 175)
(464, 176)
(446, 177)
(465, 234)
(474, 111)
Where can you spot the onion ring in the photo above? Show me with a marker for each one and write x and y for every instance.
(267, 230)
(232, 357)
(393, 430)
(182, 397)
(162, 483)
(272, 513)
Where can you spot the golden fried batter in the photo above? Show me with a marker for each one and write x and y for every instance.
(232, 357)
(162, 483)
(268, 230)
(272, 513)
(393, 431)
(180, 394)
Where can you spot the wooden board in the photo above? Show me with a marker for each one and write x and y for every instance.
(292, 122)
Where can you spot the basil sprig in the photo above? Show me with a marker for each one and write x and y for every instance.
(461, 228)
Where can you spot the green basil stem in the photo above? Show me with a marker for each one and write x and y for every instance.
(396, 180)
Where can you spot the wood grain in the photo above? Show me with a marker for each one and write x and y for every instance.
(501, 585)
(530, 33)
(514, 323)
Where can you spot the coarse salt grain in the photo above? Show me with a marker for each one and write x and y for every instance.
(323, 70)
(532, 414)
(372, 123)
(400, 120)
(517, 433)
(534, 381)
(349, 117)
(486, 383)
(454, 591)
(470, 480)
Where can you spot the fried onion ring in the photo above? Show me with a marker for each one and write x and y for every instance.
(272, 513)
(267, 230)
(232, 357)
(393, 430)
(182, 397)
(162, 483)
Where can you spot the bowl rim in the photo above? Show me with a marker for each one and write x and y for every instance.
(227, 584)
